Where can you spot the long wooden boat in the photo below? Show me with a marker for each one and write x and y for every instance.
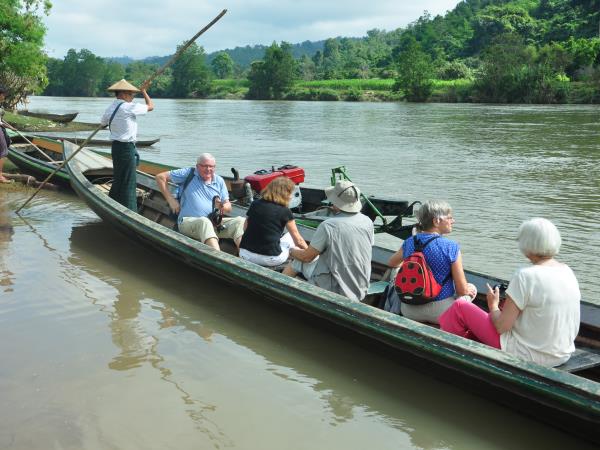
(92, 142)
(61, 118)
(555, 395)
(310, 213)
(29, 160)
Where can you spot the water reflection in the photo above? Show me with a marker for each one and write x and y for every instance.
(6, 233)
(135, 344)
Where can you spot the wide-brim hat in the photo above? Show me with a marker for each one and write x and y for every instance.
(345, 195)
(123, 85)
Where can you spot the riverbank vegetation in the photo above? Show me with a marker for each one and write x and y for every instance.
(501, 51)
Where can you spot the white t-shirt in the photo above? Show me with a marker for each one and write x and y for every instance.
(124, 125)
(545, 331)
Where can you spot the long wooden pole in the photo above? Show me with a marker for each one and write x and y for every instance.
(35, 146)
(173, 58)
(144, 85)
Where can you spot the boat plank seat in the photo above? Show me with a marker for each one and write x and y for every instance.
(373, 296)
(157, 205)
(582, 359)
(88, 161)
(377, 287)
(140, 193)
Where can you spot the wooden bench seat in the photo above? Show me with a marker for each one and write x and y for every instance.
(376, 288)
(582, 359)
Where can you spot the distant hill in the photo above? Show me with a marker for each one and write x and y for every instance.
(242, 56)
(125, 60)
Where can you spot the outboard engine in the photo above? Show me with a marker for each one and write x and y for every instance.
(261, 178)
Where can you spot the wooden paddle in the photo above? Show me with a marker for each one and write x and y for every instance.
(145, 85)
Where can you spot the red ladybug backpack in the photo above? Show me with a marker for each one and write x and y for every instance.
(415, 283)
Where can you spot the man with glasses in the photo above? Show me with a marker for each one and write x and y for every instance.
(121, 119)
(339, 255)
(203, 196)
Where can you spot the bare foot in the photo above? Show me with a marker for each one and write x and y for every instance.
(3, 179)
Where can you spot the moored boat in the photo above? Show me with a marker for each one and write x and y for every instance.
(91, 142)
(566, 400)
(30, 160)
(60, 118)
(309, 207)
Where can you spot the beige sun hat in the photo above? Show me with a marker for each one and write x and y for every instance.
(345, 195)
(123, 85)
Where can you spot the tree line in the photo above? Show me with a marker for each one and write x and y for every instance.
(505, 51)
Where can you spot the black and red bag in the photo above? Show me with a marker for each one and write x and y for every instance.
(415, 283)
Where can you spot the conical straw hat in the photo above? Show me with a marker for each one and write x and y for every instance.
(123, 85)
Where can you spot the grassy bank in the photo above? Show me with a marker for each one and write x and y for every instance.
(357, 90)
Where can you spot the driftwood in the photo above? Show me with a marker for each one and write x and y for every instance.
(30, 181)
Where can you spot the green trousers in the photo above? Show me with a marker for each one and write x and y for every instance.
(125, 160)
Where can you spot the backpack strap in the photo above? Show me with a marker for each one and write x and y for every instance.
(187, 181)
(114, 113)
(419, 246)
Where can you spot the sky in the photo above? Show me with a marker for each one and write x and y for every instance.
(142, 28)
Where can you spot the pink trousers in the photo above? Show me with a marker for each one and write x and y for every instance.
(468, 320)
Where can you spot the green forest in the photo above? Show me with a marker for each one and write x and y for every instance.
(501, 51)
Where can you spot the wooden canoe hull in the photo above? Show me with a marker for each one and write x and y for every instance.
(61, 118)
(99, 142)
(562, 399)
(40, 167)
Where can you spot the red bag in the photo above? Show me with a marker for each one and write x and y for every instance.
(415, 283)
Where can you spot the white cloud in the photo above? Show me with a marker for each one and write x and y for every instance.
(140, 28)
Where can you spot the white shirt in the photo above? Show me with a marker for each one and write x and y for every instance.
(545, 331)
(124, 125)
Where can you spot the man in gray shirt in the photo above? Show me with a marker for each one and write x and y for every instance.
(339, 255)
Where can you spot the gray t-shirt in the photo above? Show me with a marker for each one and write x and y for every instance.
(345, 243)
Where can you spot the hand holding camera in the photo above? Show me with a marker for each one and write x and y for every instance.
(216, 215)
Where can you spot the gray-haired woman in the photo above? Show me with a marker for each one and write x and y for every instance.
(540, 316)
(443, 257)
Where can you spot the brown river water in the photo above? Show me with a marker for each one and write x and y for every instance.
(110, 345)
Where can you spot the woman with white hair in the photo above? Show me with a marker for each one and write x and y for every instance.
(444, 258)
(540, 316)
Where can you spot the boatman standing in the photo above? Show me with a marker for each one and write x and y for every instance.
(121, 119)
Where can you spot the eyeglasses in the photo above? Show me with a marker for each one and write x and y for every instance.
(207, 166)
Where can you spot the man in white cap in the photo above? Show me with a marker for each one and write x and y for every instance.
(339, 255)
(120, 117)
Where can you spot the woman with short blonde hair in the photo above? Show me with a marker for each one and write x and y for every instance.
(278, 191)
(265, 240)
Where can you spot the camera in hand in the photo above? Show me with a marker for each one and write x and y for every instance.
(216, 215)
(501, 289)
